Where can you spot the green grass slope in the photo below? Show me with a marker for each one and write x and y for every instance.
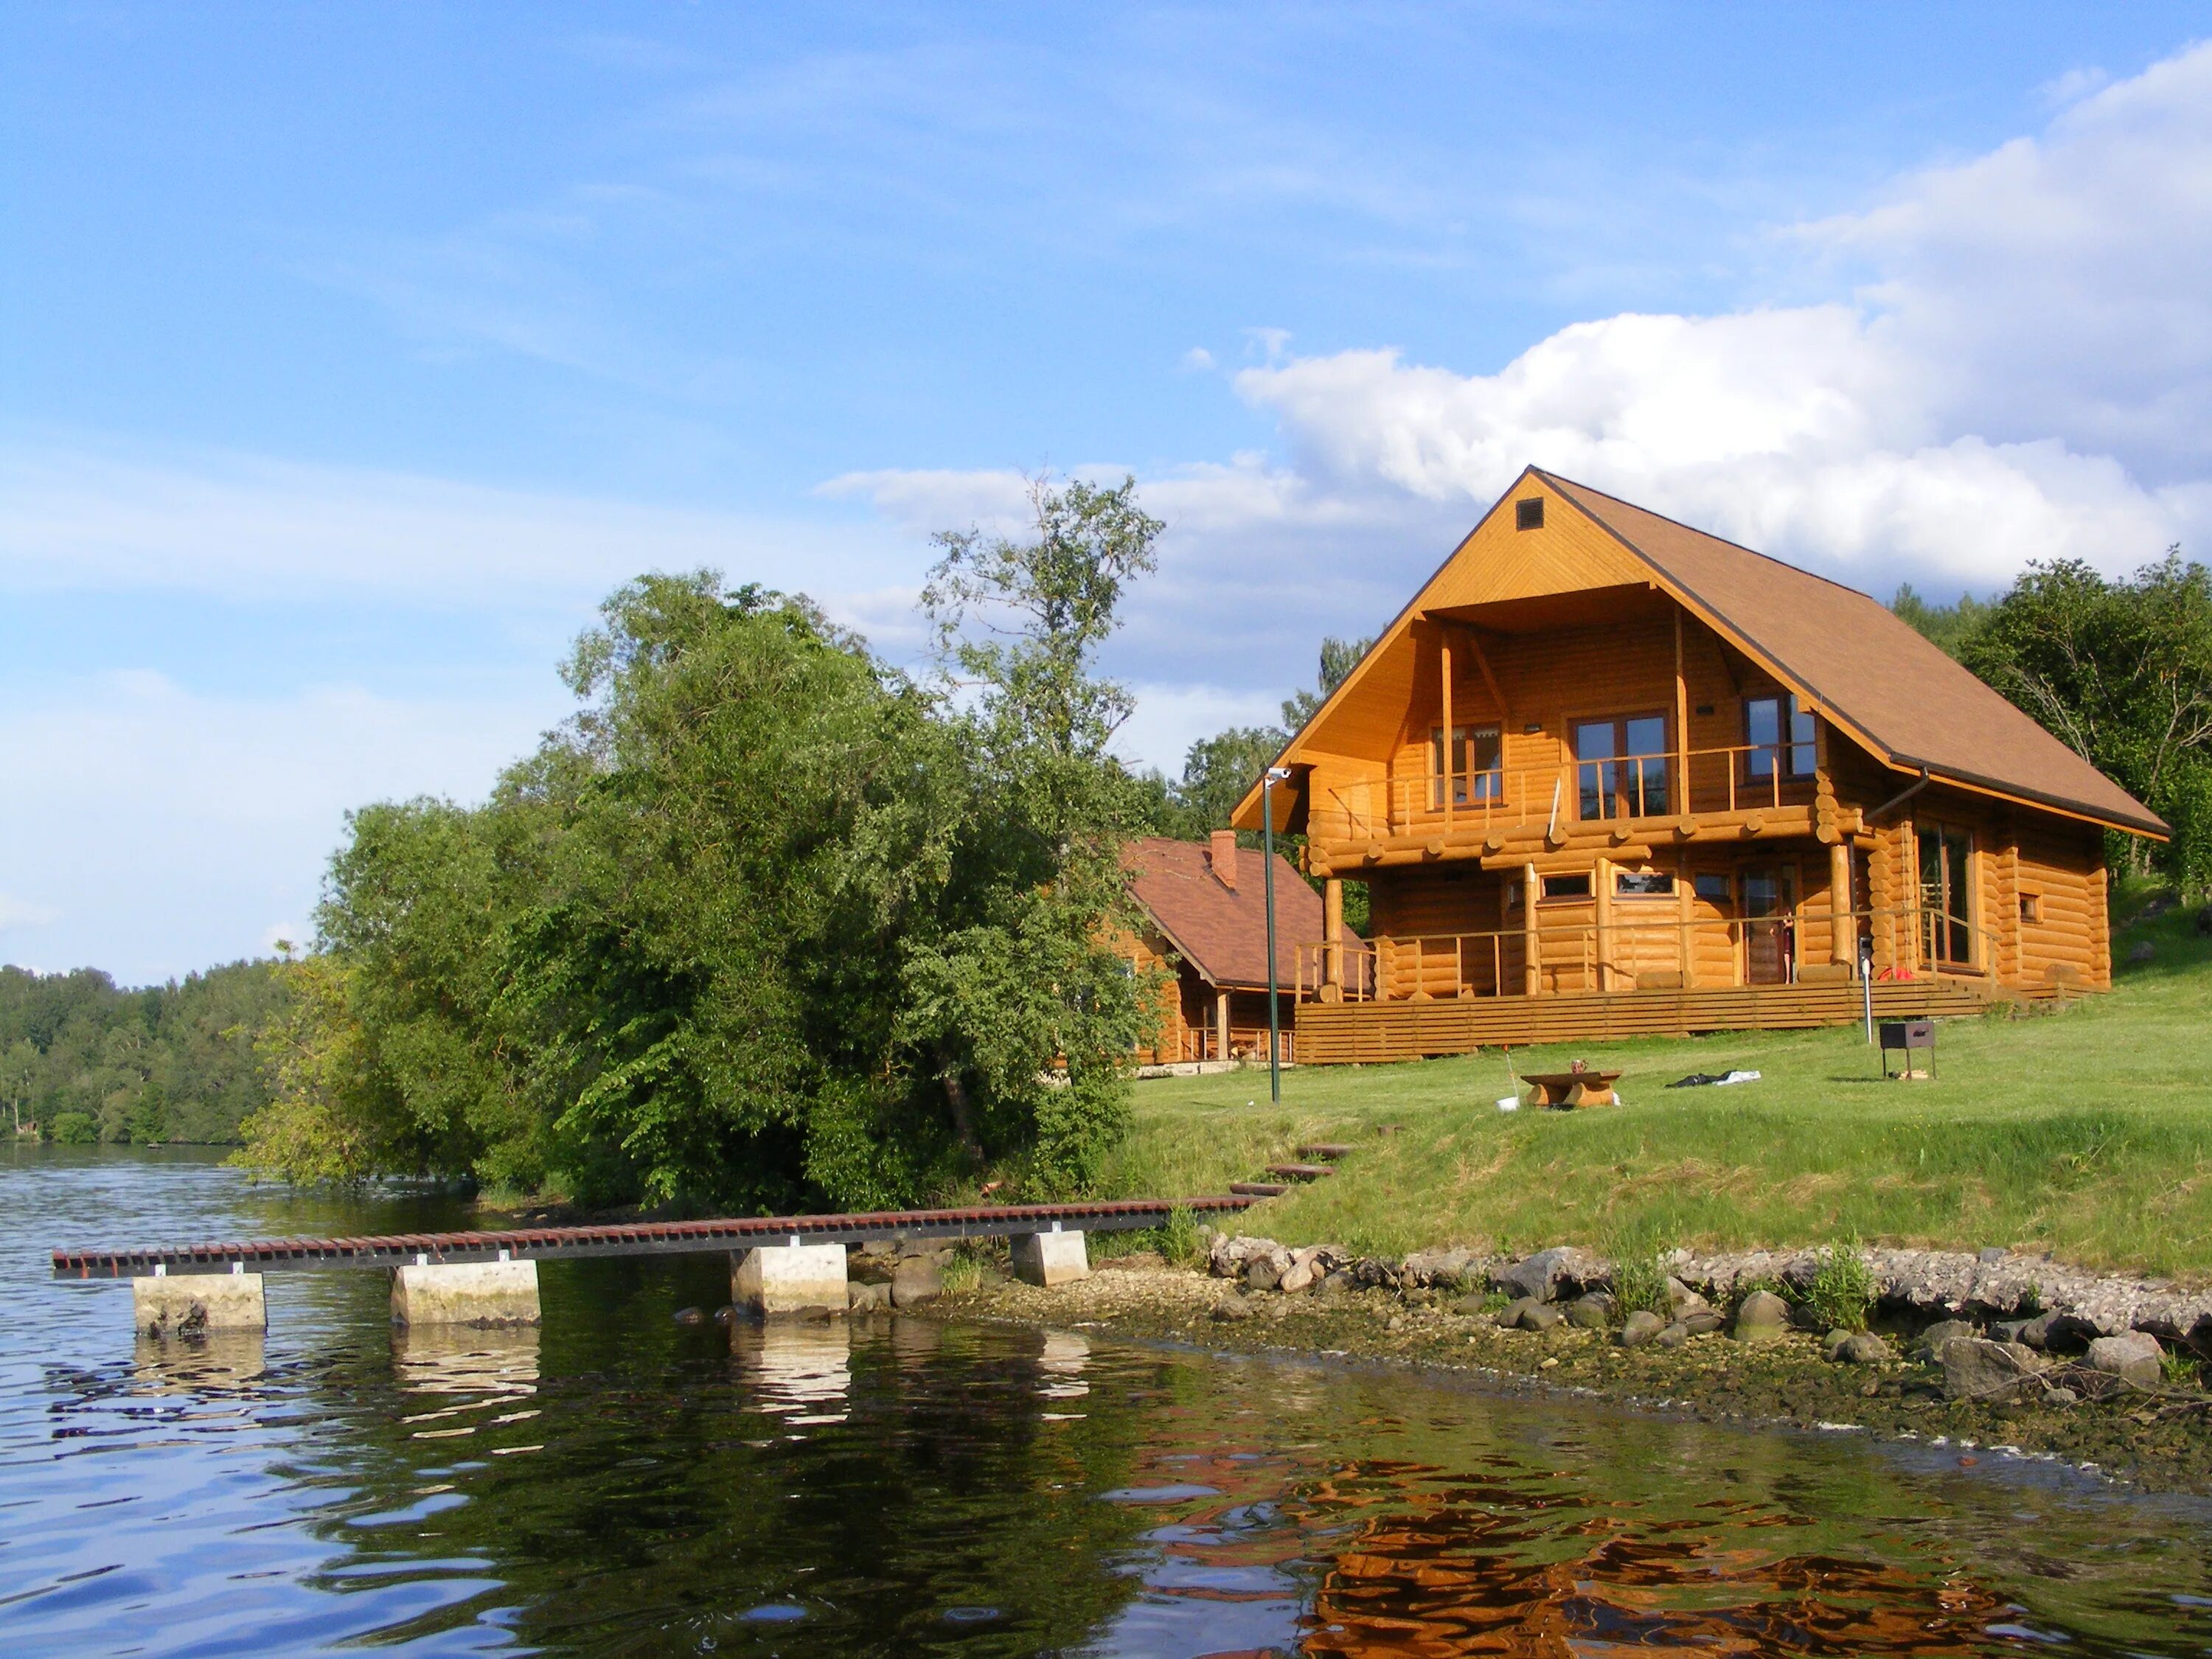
(2086, 1132)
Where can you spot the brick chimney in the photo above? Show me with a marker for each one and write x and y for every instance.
(1223, 854)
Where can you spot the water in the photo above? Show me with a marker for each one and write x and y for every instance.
(617, 1485)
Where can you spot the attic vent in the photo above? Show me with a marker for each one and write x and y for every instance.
(1528, 515)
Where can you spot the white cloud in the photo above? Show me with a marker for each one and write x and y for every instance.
(15, 914)
(1169, 718)
(76, 515)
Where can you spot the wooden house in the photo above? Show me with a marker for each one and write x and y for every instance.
(1607, 774)
(1205, 915)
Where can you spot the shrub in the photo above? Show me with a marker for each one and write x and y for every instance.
(2181, 1368)
(1179, 1240)
(1842, 1292)
(76, 1129)
(1639, 1282)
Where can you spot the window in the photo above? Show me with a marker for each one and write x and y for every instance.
(2031, 907)
(1713, 887)
(1947, 928)
(1643, 884)
(1528, 515)
(1474, 770)
(1567, 887)
(1622, 767)
(1770, 746)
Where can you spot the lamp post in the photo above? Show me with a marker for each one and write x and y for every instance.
(1273, 776)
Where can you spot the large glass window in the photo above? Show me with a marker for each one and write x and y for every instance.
(1621, 764)
(1947, 926)
(1474, 765)
(1793, 751)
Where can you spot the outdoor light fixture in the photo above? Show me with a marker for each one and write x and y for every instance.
(1273, 776)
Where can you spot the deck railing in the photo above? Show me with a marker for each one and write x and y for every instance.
(1738, 778)
(1245, 1042)
(1638, 946)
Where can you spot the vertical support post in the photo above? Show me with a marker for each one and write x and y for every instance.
(1332, 932)
(1274, 1018)
(1451, 746)
(1221, 1025)
(1681, 792)
(1601, 892)
(1685, 913)
(1842, 943)
(1531, 969)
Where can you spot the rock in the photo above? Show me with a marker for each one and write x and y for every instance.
(691, 1316)
(1857, 1348)
(1421, 1297)
(1542, 1275)
(1699, 1322)
(1990, 1256)
(1231, 1308)
(2144, 950)
(1673, 1337)
(864, 1297)
(2036, 1332)
(1975, 1368)
(1473, 1307)
(1931, 1341)
(917, 1280)
(726, 1315)
(1762, 1316)
(2011, 1330)
(1529, 1314)
(2062, 1396)
(1592, 1312)
(1445, 1267)
(2134, 1357)
(1299, 1278)
(1641, 1327)
(1335, 1284)
(1260, 1275)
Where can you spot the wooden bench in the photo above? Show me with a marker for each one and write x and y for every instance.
(1571, 1089)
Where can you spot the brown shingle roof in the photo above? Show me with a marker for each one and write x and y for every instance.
(1222, 931)
(1868, 668)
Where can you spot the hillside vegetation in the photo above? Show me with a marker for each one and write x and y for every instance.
(2085, 1131)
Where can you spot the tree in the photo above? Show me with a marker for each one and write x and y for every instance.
(1950, 626)
(2122, 672)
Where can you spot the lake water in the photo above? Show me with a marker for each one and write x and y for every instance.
(615, 1484)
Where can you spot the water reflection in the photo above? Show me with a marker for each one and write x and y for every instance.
(797, 1369)
(1063, 1361)
(222, 1361)
(462, 1359)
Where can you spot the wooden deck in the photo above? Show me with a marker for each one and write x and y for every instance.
(1337, 1034)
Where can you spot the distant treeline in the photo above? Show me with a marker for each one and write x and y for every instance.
(84, 1060)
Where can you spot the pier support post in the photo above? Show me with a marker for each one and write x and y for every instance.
(785, 1278)
(193, 1304)
(1050, 1259)
(465, 1293)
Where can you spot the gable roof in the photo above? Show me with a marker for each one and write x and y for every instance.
(1895, 692)
(1222, 930)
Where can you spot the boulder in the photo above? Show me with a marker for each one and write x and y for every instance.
(2134, 1357)
(1542, 1275)
(1699, 1322)
(1529, 1314)
(1472, 1306)
(1639, 1328)
(917, 1280)
(1762, 1316)
(1232, 1307)
(1446, 1268)
(1856, 1348)
(1259, 1274)
(1976, 1369)
(1592, 1312)
(1673, 1337)
(1931, 1341)
(864, 1296)
(691, 1316)
(1299, 1277)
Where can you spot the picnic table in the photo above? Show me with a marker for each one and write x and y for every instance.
(1571, 1089)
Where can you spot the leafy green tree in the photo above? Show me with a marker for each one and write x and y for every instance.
(1950, 626)
(2122, 672)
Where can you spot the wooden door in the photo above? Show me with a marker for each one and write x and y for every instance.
(1767, 901)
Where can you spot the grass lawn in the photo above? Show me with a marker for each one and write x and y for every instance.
(2085, 1132)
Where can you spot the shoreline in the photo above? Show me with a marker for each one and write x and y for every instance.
(1713, 1378)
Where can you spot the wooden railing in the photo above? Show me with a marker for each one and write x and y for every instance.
(1245, 1042)
(1639, 946)
(1739, 778)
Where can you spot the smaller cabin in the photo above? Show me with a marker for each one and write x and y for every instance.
(1204, 910)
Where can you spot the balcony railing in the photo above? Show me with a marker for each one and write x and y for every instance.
(1742, 777)
(1639, 948)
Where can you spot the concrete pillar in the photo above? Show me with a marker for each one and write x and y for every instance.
(1050, 1259)
(786, 1277)
(466, 1294)
(193, 1304)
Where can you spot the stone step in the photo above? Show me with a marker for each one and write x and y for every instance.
(1300, 1171)
(1258, 1189)
(1329, 1151)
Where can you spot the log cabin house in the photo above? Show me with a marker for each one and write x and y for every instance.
(1608, 774)
(1204, 907)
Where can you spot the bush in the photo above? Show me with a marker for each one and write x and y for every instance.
(1842, 1293)
(1639, 1283)
(76, 1129)
(1179, 1240)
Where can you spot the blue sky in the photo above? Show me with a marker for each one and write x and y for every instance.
(348, 355)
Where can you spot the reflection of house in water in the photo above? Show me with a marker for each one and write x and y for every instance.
(799, 1370)
(1479, 1578)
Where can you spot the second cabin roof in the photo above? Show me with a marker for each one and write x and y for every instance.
(1873, 675)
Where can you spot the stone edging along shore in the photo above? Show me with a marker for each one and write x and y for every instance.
(1983, 1378)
